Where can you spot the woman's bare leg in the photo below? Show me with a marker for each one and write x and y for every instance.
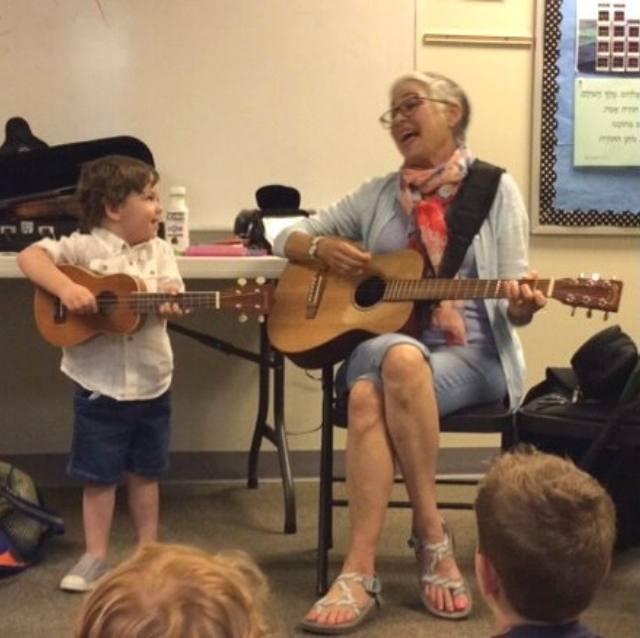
(413, 424)
(370, 471)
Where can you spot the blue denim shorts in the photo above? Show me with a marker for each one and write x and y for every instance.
(111, 437)
(463, 375)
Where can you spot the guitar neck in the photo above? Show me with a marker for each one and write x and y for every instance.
(148, 302)
(440, 289)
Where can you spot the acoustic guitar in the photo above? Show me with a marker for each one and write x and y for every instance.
(319, 316)
(123, 303)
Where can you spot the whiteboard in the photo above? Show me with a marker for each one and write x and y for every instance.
(228, 94)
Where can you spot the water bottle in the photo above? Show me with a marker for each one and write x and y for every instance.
(177, 220)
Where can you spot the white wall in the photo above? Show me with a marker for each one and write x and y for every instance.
(228, 94)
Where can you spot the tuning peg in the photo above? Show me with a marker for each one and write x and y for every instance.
(595, 276)
(261, 281)
(242, 317)
(242, 281)
(261, 318)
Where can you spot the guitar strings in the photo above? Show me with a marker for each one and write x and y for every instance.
(453, 288)
(140, 302)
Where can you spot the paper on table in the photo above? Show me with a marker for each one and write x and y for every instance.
(274, 225)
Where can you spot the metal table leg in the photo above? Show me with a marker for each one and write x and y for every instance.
(276, 434)
(268, 360)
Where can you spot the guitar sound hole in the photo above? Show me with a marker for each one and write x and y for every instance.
(370, 291)
(107, 303)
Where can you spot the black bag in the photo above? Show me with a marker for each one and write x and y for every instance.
(603, 363)
(599, 394)
(24, 521)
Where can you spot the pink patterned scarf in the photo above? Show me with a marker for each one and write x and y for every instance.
(426, 194)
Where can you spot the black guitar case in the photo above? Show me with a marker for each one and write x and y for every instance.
(44, 172)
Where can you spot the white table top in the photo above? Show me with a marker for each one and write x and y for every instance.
(191, 267)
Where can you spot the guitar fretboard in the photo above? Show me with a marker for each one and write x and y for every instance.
(145, 302)
(425, 289)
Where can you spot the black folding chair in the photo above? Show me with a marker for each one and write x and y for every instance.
(489, 418)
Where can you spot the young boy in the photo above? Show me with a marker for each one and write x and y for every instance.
(545, 536)
(122, 404)
(174, 591)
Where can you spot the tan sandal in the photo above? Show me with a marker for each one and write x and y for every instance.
(345, 599)
(435, 552)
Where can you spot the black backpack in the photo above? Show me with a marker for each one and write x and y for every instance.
(603, 363)
(602, 387)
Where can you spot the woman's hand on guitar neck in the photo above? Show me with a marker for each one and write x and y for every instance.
(343, 257)
(524, 301)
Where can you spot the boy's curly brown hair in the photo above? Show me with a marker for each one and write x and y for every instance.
(108, 181)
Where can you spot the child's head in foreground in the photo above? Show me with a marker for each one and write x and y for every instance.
(175, 591)
(114, 189)
(546, 531)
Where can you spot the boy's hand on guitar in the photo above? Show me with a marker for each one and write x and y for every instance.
(524, 299)
(343, 257)
(78, 299)
(172, 308)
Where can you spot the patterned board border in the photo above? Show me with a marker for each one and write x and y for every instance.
(549, 214)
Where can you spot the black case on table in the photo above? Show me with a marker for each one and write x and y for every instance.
(43, 172)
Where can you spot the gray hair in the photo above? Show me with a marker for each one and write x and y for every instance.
(441, 87)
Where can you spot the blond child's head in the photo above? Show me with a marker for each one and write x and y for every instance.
(546, 530)
(175, 591)
(107, 182)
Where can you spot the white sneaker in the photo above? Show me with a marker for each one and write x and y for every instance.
(84, 574)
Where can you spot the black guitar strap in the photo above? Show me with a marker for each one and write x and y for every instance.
(467, 212)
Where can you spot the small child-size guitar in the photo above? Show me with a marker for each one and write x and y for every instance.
(123, 303)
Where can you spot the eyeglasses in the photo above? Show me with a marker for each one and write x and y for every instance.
(407, 108)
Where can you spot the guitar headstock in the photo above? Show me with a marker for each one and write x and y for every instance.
(248, 299)
(592, 293)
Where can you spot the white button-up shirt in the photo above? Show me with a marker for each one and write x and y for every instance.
(125, 367)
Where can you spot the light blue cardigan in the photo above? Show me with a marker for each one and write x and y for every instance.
(501, 249)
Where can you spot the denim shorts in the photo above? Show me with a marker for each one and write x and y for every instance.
(463, 375)
(111, 437)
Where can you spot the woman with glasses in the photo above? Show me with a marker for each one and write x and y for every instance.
(465, 353)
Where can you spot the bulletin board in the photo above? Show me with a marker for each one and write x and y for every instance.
(586, 133)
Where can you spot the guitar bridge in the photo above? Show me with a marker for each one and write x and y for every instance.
(314, 296)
